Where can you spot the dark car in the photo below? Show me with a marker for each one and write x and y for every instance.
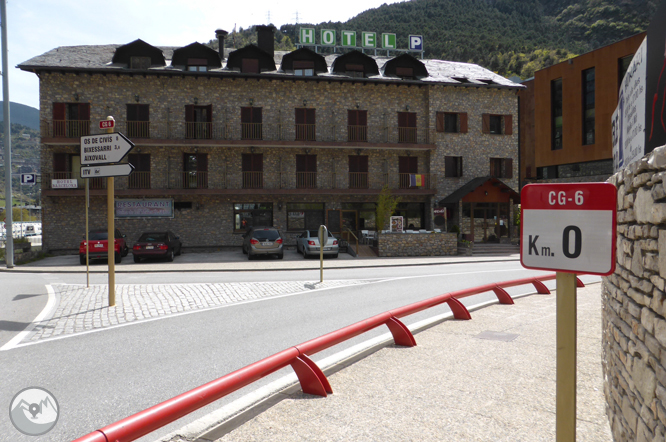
(262, 241)
(157, 245)
(98, 243)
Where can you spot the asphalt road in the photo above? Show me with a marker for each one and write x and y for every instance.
(102, 377)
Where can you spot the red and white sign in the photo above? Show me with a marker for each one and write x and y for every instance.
(107, 124)
(569, 227)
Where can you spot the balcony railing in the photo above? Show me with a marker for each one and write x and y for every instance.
(254, 180)
(177, 130)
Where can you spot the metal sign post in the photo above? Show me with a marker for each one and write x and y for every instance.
(111, 238)
(323, 239)
(570, 228)
(87, 235)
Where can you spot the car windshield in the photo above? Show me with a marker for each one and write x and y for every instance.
(151, 237)
(98, 236)
(266, 235)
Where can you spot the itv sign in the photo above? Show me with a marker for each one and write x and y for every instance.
(368, 40)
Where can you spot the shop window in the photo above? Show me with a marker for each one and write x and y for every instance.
(248, 215)
(305, 216)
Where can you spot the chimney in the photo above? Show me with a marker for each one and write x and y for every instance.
(220, 34)
(266, 39)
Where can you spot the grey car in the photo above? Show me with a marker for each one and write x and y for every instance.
(308, 244)
(263, 241)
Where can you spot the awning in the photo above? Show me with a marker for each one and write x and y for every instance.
(482, 189)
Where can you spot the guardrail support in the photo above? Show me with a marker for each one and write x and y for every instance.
(401, 334)
(458, 309)
(579, 283)
(502, 295)
(312, 379)
(540, 287)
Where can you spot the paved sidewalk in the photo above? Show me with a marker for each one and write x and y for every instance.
(488, 379)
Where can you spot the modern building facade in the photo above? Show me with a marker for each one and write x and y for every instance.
(291, 140)
(565, 116)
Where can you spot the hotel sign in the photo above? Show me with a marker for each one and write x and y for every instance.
(369, 40)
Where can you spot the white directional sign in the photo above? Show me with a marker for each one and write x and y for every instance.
(106, 170)
(569, 227)
(104, 149)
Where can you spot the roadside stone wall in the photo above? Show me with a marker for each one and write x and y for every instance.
(634, 311)
(421, 244)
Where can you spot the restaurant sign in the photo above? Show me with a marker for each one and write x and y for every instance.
(134, 208)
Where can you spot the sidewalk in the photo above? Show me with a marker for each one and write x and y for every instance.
(488, 379)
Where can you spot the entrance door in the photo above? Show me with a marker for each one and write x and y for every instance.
(349, 222)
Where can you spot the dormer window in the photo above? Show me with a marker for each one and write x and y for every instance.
(304, 68)
(461, 79)
(139, 62)
(406, 73)
(197, 64)
(250, 66)
(354, 70)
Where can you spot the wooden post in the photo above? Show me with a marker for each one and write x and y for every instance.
(566, 357)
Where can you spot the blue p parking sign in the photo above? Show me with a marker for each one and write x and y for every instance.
(28, 179)
(415, 42)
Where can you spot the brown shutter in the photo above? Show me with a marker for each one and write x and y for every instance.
(60, 163)
(132, 112)
(246, 162)
(300, 115)
(300, 163)
(352, 118)
(403, 164)
(353, 163)
(209, 113)
(246, 115)
(485, 120)
(58, 111)
(402, 119)
(362, 117)
(508, 168)
(202, 162)
(493, 163)
(144, 112)
(449, 167)
(413, 165)
(59, 115)
(463, 122)
(508, 124)
(84, 111)
(440, 121)
(256, 115)
(189, 113)
(411, 119)
(363, 163)
(309, 116)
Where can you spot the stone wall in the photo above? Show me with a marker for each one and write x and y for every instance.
(634, 312)
(417, 244)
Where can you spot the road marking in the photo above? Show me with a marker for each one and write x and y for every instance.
(48, 308)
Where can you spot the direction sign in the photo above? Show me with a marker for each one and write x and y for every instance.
(104, 149)
(106, 170)
(107, 124)
(569, 227)
(28, 179)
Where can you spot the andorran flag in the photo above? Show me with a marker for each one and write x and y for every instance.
(416, 180)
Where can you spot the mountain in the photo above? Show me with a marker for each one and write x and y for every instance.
(510, 37)
(22, 114)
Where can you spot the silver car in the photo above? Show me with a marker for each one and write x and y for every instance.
(262, 241)
(308, 244)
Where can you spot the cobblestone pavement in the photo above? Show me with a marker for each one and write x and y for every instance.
(80, 309)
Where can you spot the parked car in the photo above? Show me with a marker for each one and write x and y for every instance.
(308, 244)
(262, 241)
(157, 245)
(98, 246)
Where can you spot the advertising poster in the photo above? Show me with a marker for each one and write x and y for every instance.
(396, 224)
(655, 102)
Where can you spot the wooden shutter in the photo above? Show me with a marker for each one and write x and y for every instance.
(58, 111)
(402, 119)
(363, 163)
(493, 167)
(59, 116)
(352, 119)
(485, 123)
(311, 163)
(189, 113)
(300, 163)
(440, 121)
(60, 162)
(411, 119)
(353, 163)
(202, 162)
(463, 122)
(362, 117)
(256, 115)
(508, 168)
(309, 116)
(449, 166)
(84, 111)
(209, 113)
(246, 115)
(132, 112)
(300, 115)
(508, 124)
(246, 162)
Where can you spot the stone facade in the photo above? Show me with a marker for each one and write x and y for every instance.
(634, 312)
(417, 244)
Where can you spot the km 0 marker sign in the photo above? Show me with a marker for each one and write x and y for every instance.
(569, 227)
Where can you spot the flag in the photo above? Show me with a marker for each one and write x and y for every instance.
(416, 180)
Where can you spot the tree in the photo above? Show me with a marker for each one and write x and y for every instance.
(386, 204)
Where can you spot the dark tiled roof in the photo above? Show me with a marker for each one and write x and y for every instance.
(460, 193)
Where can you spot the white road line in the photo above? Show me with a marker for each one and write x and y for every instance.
(48, 308)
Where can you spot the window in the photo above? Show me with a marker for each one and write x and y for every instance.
(501, 167)
(252, 169)
(138, 121)
(68, 166)
(556, 114)
(197, 64)
(406, 73)
(451, 122)
(406, 127)
(453, 167)
(140, 62)
(407, 166)
(358, 171)
(198, 121)
(71, 120)
(250, 66)
(305, 216)
(588, 106)
(622, 68)
(497, 124)
(357, 125)
(252, 214)
(354, 70)
(251, 123)
(140, 177)
(547, 173)
(306, 171)
(304, 68)
(195, 171)
(305, 124)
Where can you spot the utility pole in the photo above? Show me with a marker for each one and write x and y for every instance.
(9, 243)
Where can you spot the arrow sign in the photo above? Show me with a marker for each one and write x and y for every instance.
(106, 170)
(104, 149)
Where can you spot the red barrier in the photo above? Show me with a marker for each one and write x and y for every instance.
(312, 379)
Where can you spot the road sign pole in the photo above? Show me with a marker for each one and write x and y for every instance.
(566, 357)
(87, 204)
(111, 239)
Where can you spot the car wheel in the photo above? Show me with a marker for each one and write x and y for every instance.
(82, 259)
(305, 255)
(280, 255)
(125, 251)
(136, 259)
(118, 258)
(170, 256)
(335, 256)
(244, 251)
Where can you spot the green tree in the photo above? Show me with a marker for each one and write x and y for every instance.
(386, 204)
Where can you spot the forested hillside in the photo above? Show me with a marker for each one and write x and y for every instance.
(511, 37)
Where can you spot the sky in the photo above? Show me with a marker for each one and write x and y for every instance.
(37, 26)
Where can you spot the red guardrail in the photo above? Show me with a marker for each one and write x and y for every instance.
(312, 379)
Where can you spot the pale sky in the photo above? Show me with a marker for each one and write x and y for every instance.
(37, 26)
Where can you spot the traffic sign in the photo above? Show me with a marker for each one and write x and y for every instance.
(104, 149)
(106, 170)
(569, 227)
(28, 179)
(107, 124)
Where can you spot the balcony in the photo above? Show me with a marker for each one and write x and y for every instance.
(238, 133)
